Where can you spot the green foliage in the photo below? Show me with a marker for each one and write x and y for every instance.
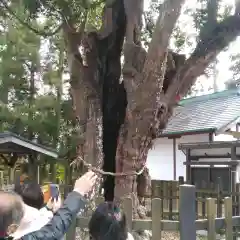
(32, 98)
(234, 79)
(45, 109)
(75, 11)
(235, 66)
(60, 173)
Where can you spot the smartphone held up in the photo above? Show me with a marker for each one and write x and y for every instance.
(50, 191)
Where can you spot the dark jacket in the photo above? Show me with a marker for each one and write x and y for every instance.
(61, 220)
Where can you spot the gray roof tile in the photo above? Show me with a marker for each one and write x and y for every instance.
(27, 143)
(208, 112)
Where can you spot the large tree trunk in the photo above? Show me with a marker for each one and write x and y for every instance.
(150, 106)
(143, 85)
(78, 91)
(135, 110)
(86, 99)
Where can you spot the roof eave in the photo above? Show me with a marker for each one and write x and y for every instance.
(227, 126)
(185, 133)
(9, 137)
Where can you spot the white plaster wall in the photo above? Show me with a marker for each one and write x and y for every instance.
(160, 158)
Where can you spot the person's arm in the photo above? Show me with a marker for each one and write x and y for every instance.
(61, 220)
(46, 213)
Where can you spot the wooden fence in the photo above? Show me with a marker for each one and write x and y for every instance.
(168, 191)
(187, 225)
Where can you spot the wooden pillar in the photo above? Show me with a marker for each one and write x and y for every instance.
(209, 171)
(32, 166)
(174, 159)
(12, 165)
(234, 153)
(187, 212)
(11, 175)
(53, 172)
(68, 180)
(233, 168)
(210, 137)
(233, 177)
(188, 167)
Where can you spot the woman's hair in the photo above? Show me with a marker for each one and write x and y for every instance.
(31, 193)
(11, 211)
(108, 222)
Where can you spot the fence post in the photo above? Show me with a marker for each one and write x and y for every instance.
(156, 218)
(71, 234)
(187, 212)
(128, 210)
(211, 214)
(228, 218)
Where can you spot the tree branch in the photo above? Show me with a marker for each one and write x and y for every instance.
(157, 53)
(36, 31)
(205, 52)
(166, 21)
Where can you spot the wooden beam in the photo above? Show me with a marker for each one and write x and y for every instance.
(229, 163)
(179, 135)
(234, 153)
(234, 134)
(25, 145)
(197, 157)
(188, 169)
(174, 159)
(208, 145)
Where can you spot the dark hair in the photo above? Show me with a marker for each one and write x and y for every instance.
(108, 222)
(31, 193)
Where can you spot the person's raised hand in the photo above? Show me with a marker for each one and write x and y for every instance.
(85, 184)
(57, 203)
(54, 204)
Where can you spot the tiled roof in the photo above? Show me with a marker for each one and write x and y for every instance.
(205, 113)
(9, 137)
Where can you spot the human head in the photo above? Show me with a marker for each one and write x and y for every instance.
(108, 222)
(31, 193)
(11, 212)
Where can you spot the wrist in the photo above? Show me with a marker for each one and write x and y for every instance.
(49, 209)
(79, 191)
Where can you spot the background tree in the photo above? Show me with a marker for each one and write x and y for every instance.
(136, 105)
(234, 81)
(32, 102)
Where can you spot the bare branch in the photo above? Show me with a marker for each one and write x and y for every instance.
(107, 24)
(166, 21)
(205, 52)
(153, 70)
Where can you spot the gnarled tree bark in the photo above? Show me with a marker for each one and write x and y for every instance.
(142, 92)
(83, 92)
(136, 109)
(149, 108)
